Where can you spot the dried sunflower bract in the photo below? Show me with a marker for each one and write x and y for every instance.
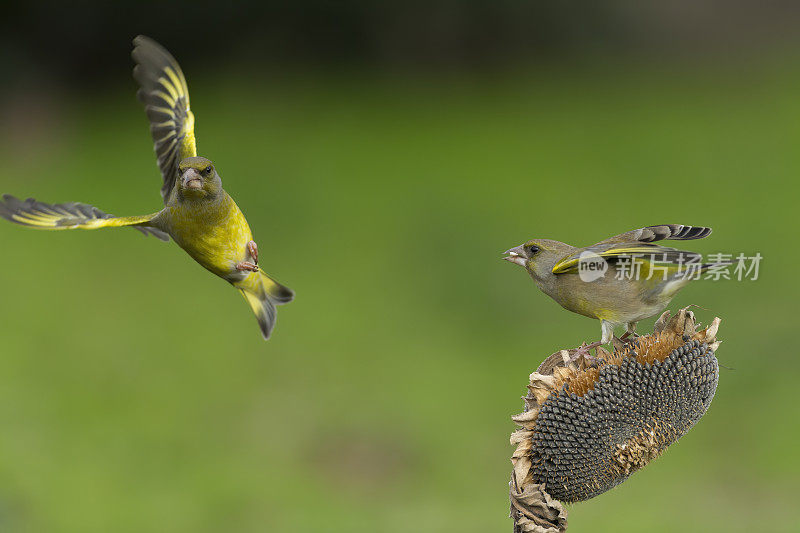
(591, 423)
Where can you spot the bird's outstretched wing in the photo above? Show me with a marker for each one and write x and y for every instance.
(73, 215)
(163, 91)
(675, 232)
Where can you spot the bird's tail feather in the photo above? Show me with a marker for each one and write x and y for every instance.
(262, 300)
(280, 294)
(72, 215)
(264, 310)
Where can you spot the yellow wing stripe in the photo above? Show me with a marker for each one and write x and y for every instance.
(171, 100)
(639, 253)
(30, 218)
(561, 267)
(165, 123)
(38, 220)
(171, 143)
(572, 261)
(167, 136)
(178, 83)
(173, 94)
(163, 110)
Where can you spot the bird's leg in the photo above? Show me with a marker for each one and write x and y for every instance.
(253, 249)
(607, 329)
(246, 265)
(630, 333)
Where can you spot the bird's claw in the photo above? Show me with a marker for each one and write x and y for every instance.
(627, 339)
(253, 249)
(584, 351)
(246, 265)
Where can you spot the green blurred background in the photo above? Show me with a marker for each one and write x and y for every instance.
(384, 155)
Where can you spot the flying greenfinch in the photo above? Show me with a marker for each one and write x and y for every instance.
(198, 214)
(620, 280)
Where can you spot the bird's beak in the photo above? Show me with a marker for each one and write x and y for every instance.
(516, 255)
(190, 179)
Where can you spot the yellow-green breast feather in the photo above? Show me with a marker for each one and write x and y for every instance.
(214, 233)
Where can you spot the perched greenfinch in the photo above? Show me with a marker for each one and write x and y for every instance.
(620, 280)
(198, 214)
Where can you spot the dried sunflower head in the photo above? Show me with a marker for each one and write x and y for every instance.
(588, 425)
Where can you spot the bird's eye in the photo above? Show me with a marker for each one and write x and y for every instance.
(208, 169)
(532, 249)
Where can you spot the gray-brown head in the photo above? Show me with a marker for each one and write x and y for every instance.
(538, 256)
(197, 178)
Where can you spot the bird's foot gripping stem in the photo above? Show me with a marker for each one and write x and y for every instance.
(246, 265)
